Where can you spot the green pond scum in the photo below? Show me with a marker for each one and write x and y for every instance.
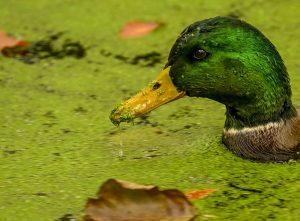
(57, 144)
(126, 116)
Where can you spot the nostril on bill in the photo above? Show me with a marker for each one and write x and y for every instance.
(156, 86)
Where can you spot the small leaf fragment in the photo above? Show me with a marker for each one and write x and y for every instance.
(199, 194)
(123, 201)
(7, 41)
(136, 29)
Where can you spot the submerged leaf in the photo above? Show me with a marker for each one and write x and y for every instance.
(138, 29)
(198, 194)
(7, 41)
(123, 201)
(49, 47)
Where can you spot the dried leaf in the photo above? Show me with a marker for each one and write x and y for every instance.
(135, 29)
(123, 201)
(7, 41)
(199, 194)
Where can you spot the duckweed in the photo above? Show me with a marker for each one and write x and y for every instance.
(68, 156)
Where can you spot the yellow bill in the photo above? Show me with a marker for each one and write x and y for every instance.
(160, 92)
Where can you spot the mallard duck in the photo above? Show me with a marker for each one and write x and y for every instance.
(229, 61)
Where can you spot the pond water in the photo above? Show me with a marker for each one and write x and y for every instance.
(57, 144)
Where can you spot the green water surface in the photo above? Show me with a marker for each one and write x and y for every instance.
(57, 144)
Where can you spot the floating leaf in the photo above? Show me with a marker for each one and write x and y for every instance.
(123, 201)
(49, 47)
(199, 194)
(135, 29)
(7, 41)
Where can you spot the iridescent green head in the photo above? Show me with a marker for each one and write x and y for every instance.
(230, 61)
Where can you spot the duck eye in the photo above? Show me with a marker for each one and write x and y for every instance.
(200, 54)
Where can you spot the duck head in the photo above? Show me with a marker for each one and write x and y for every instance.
(226, 60)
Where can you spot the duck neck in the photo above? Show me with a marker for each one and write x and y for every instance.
(257, 114)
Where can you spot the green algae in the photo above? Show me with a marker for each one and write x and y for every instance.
(54, 162)
(119, 115)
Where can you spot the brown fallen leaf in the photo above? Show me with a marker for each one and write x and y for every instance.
(198, 194)
(136, 29)
(123, 201)
(7, 41)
